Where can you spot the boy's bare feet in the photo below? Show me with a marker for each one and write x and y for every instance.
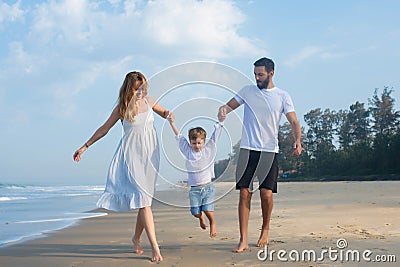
(203, 223)
(263, 240)
(241, 248)
(137, 248)
(213, 230)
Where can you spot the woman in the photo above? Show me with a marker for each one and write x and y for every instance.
(134, 167)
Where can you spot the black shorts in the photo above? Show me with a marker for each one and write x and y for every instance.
(263, 165)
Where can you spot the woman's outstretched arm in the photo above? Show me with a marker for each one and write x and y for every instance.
(98, 134)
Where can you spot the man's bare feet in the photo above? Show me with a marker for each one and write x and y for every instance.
(241, 248)
(213, 230)
(263, 240)
(203, 223)
(137, 248)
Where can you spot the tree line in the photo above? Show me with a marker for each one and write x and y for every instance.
(363, 140)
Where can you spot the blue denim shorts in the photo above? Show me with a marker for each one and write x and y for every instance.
(202, 198)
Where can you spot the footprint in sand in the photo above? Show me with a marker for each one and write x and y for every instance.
(359, 231)
(277, 241)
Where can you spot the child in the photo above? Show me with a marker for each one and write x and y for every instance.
(200, 158)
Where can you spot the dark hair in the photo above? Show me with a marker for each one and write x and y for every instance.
(197, 132)
(266, 62)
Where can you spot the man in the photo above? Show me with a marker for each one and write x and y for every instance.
(263, 108)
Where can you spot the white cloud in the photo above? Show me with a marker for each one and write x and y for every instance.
(305, 53)
(310, 52)
(63, 25)
(130, 6)
(114, 2)
(10, 13)
(330, 55)
(69, 46)
(206, 28)
(20, 68)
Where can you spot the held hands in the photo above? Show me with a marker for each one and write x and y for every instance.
(222, 113)
(170, 117)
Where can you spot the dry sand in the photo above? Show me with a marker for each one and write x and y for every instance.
(306, 216)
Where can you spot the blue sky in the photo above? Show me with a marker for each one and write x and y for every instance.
(62, 63)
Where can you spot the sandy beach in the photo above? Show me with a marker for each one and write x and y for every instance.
(306, 216)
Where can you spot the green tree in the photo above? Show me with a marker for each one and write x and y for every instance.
(354, 156)
(235, 153)
(385, 129)
(358, 118)
(287, 162)
(319, 139)
(384, 116)
(344, 128)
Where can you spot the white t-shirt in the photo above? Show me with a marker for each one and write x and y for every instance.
(200, 165)
(263, 110)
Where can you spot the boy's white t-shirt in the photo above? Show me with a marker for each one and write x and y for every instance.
(263, 109)
(200, 165)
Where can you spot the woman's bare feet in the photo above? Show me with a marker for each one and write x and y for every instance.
(241, 248)
(263, 240)
(136, 244)
(156, 255)
(213, 230)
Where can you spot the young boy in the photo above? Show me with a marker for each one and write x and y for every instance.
(200, 157)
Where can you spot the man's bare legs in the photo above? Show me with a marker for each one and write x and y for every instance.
(213, 225)
(267, 204)
(145, 221)
(244, 213)
(136, 237)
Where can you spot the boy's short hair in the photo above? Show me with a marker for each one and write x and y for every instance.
(196, 132)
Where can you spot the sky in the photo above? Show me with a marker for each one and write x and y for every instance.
(63, 62)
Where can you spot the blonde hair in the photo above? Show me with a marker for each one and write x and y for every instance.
(196, 132)
(127, 95)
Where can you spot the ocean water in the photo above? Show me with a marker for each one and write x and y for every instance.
(28, 212)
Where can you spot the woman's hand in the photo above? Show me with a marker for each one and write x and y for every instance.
(78, 153)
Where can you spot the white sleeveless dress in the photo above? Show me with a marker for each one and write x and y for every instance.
(134, 168)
